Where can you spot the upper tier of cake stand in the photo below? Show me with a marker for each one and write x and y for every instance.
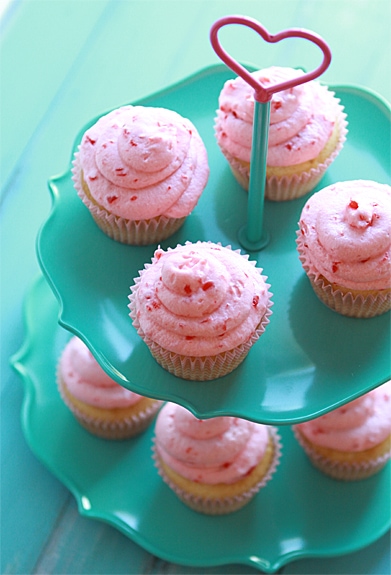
(309, 360)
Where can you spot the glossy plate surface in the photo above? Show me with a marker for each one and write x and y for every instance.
(116, 481)
(309, 360)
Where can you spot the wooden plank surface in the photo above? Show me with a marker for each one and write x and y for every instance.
(63, 62)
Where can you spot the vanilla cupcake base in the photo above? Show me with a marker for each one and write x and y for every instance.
(221, 498)
(291, 182)
(346, 466)
(116, 423)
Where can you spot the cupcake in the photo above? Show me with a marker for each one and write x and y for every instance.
(101, 405)
(354, 441)
(215, 466)
(344, 243)
(199, 308)
(307, 130)
(140, 171)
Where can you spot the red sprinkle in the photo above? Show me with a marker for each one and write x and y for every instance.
(133, 198)
(112, 199)
(187, 289)
(334, 267)
(90, 140)
(189, 337)
(207, 285)
(353, 204)
(255, 300)
(288, 146)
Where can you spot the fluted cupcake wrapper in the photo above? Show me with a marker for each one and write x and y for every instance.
(117, 429)
(344, 471)
(223, 505)
(132, 232)
(285, 188)
(203, 368)
(349, 303)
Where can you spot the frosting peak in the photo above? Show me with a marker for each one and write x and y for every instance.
(200, 282)
(147, 148)
(361, 215)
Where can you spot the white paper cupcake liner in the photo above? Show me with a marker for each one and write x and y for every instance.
(132, 232)
(341, 300)
(344, 471)
(223, 505)
(203, 368)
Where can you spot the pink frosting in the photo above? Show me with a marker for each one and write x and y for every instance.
(217, 450)
(301, 118)
(141, 162)
(199, 299)
(356, 426)
(345, 234)
(87, 381)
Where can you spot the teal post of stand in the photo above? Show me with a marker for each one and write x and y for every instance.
(253, 236)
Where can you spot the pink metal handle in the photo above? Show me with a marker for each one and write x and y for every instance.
(264, 93)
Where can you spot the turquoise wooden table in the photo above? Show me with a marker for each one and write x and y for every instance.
(62, 63)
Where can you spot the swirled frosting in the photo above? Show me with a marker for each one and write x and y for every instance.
(87, 381)
(141, 162)
(301, 118)
(356, 426)
(199, 299)
(345, 234)
(211, 451)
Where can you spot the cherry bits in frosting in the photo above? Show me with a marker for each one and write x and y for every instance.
(301, 119)
(345, 234)
(199, 299)
(210, 451)
(142, 162)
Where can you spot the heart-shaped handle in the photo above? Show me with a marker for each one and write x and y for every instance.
(263, 93)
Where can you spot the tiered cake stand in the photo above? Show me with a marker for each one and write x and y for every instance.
(309, 360)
